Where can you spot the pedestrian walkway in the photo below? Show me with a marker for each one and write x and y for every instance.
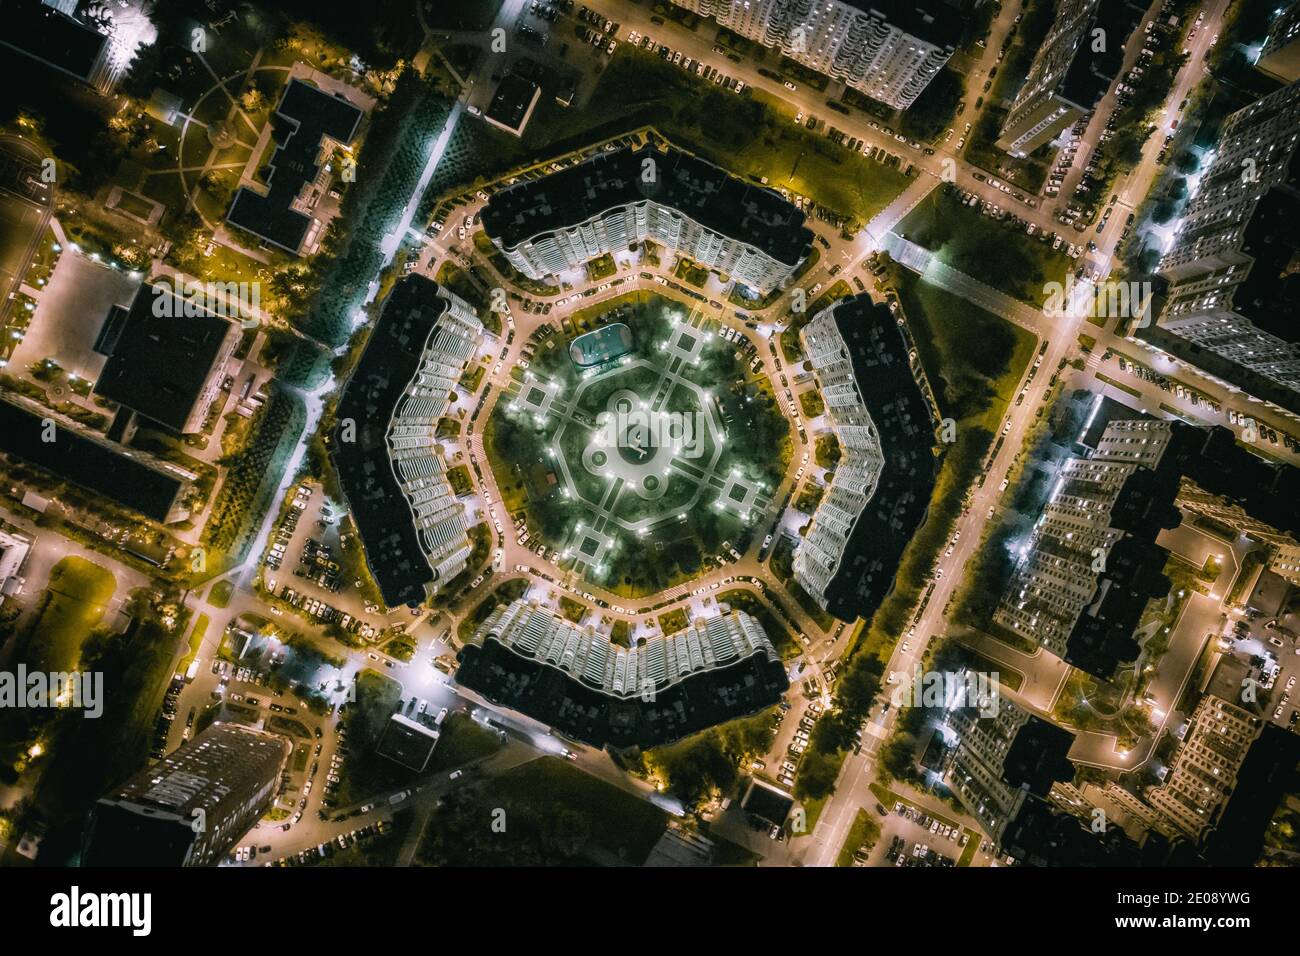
(921, 261)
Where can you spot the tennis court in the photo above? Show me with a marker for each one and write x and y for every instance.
(601, 345)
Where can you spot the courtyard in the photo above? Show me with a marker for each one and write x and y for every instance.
(649, 466)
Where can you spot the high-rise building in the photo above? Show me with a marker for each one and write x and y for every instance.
(1280, 57)
(605, 204)
(878, 412)
(888, 49)
(1072, 70)
(1234, 266)
(1204, 771)
(389, 459)
(192, 806)
(1090, 563)
(1001, 759)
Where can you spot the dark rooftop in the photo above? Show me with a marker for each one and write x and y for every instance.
(901, 415)
(1091, 73)
(54, 38)
(306, 115)
(408, 743)
(510, 104)
(550, 695)
(158, 365)
(94, 465)
(767, 802)
(709, 195)
(381, 513)
(934, 21)
(1037, 757)
(1270, 295)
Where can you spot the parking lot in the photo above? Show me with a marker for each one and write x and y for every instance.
(303, 567)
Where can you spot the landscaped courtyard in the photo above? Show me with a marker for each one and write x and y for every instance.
(640, 453)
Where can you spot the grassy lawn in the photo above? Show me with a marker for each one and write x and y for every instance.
(750, 135)
(72, 607)
(196, 641)
(974, 359)
(865, 831)
(221, 593)
(985, 249)
(550, 813)
(462, 741)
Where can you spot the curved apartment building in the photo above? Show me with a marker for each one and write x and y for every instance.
(607, 203)
(390, 466)
(881, 487)
(888, 49)
(664, 687)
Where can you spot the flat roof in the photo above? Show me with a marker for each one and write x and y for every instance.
(547, 693)
(54, 38)
(709, 195)
(380, 511)
(766, 801)
(1090, 73)
(305, 116)
(935, 21)
(158, 365)
(513, 101)
(92, 464)
(898, 409)
(407, 742)
(1270, 295)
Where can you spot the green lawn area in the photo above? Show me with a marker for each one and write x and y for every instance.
(461, 741)
(550, 813)
(221, 593)
(196, 641)
(751, 135)
(865, 830)
(985, 249)
(973, 358)
(72, 607)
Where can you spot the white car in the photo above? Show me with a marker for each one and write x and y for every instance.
(790, 86)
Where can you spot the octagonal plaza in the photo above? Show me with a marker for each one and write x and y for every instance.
(647, 458)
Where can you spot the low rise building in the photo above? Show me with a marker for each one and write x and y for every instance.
(309, 124)
(166, 358)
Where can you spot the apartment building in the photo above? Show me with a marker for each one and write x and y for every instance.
(615, 199)
(657, 689)
(1280, 57)
(1071, 72)
(999, 761)
(193, 806)
(390, 463)
(878, 413)
(1233, 283)
(1090, 563)
(1204, 771)
(888, 49)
